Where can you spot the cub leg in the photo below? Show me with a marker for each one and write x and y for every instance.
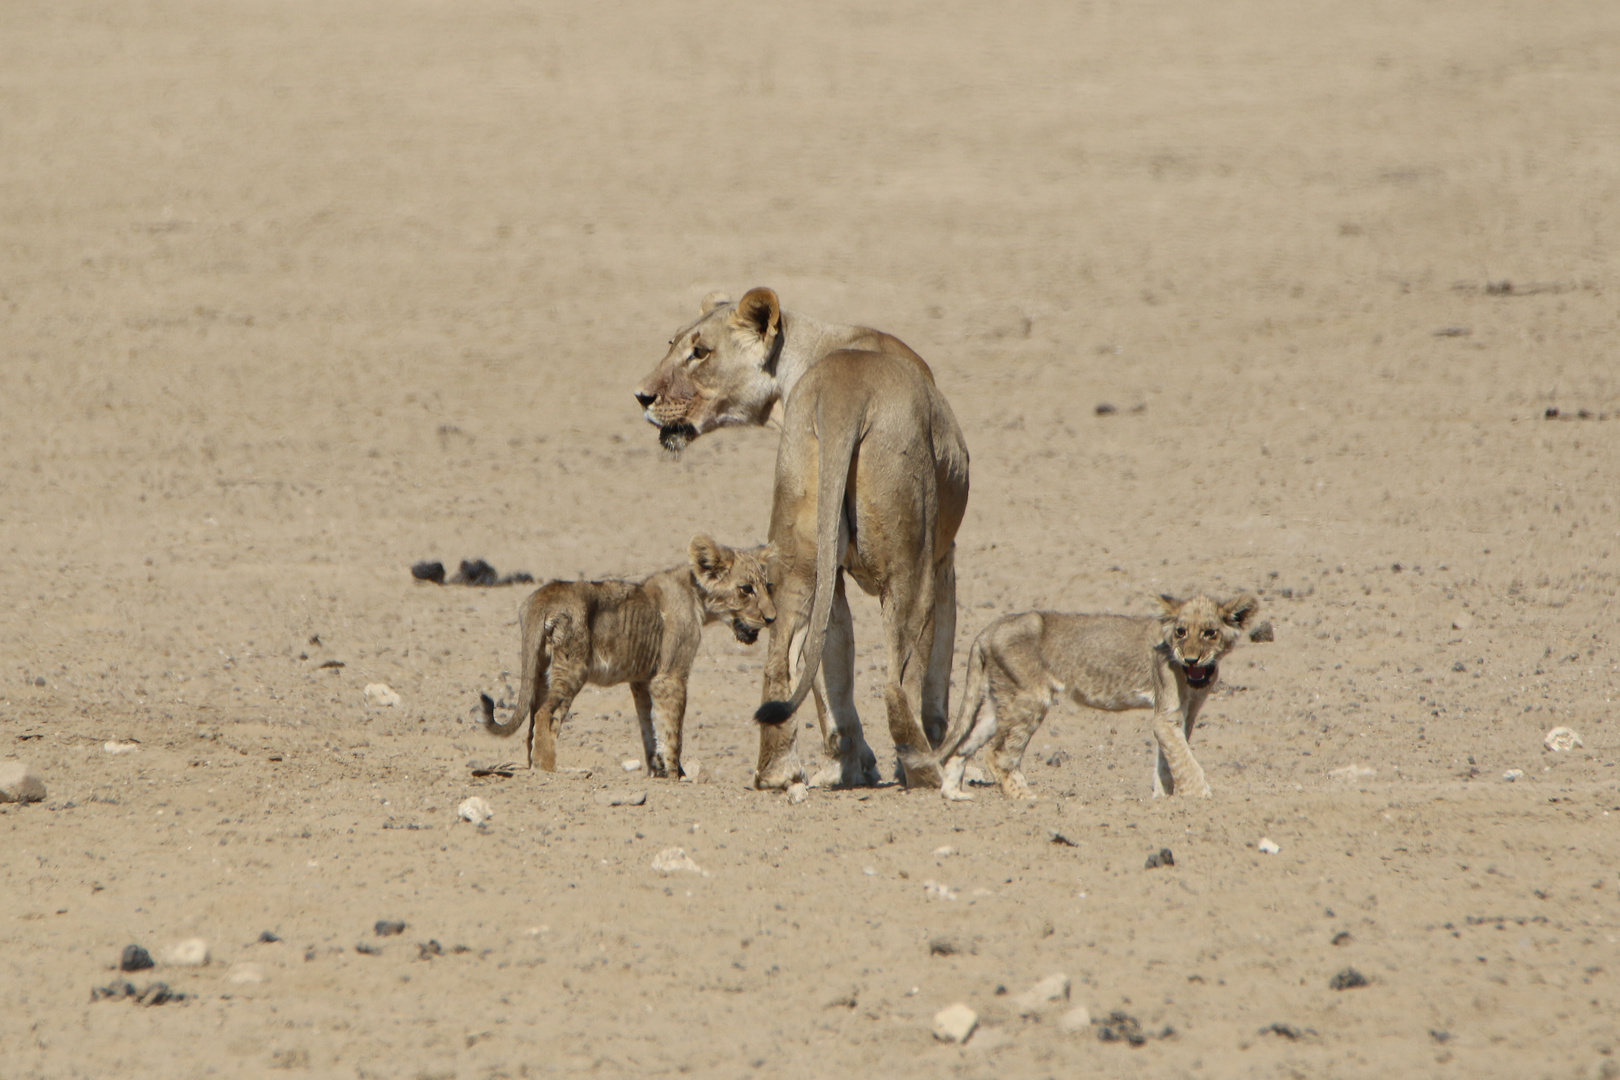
(851, 761)
(563, 682)
(1175, 769)
(983, 729)
(644, 715)
(668, 715)
(1018, 720)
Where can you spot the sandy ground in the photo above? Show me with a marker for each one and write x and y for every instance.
(294, 294)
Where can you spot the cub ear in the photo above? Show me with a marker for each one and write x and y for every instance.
(1168, 606)
(759, 316)
(712, 301)
(767, 553)
(1240, 610)
(709, 559)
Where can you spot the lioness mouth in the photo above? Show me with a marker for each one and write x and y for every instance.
(745, 633)
(1200, 675)
(674, 437)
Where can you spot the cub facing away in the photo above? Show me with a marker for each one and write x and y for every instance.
(642, 633)
(1019, 664)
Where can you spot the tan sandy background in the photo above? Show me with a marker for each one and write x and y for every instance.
(294, 294)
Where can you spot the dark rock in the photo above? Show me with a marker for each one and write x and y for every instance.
(1263, 632)
(135, 958)
(1159, 858)
(942, 947)
(1103, 408)
(1348, 979)
(1058, 758)
(427, 950)
(160, 994)
(388, 927)
(1287, 1031)
(368, 949)
(1120, 1027)
(1342, 938)
(429, 571)
(115, 990)
(268, 936)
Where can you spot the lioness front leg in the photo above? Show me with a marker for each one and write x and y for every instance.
(1175, 768)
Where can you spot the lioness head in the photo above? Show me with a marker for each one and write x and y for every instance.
(735, 585)
(720, 371)
(1198, 632)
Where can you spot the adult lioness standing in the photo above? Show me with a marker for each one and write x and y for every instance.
(871, 477)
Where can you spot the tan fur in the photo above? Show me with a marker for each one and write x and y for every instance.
(885, 507)
(645, 634)
(1020, 664)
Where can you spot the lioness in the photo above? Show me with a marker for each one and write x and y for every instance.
(1020, 663)
(885, 507)
(645, 634)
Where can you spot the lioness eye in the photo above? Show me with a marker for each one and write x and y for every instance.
(700, 352)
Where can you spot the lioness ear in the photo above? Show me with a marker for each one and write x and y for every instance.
(709, 559)
(712, 301)
(1239, 610)
(759, 315)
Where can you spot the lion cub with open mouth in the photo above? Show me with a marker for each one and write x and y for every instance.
(642, 633)
(1019, 664)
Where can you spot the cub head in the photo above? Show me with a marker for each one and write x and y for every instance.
(735, 585)
(720, 371)
(1199, 631)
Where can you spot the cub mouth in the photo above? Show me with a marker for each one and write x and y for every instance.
(674, 437)
(1200, 675)
(745, 633)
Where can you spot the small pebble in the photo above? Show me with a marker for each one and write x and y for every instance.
(1268, 846)
(692, 771)
(1162, 857)
(475, 810)
(1050, 989)
(116, 747)
(955, 1023)
(797, 793)
(621, 798)
(1561, 740)
(381, 695)
(933, 890)
(268, 936)
(1348, 979)
(135, 958)
(1513, 774)
(1076, 1019)
(1464, 621)
(388, 927)
(18, 784)
(1353, 772)
(368, 949)
(245, 974)
(192, 952)
(675, 860)
(1263, 632)
(630, 764)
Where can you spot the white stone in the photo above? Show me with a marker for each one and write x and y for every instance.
(1353, 772)
(1513, 774)
(1076, 1019)
(475, 810)
(621, 798)
(382, 695)
(944, 851)
(116, 747)
(192, 952)
(955, 1023)
(797, 793)
(692, 771)
(1268, 846)
(1050, 989)
(675, 860)
(245, 974)
(630, 764)
(1561, 740)
(19, 784)
(933, 890)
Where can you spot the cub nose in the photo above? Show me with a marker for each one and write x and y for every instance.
(769, 619)
(646, 400)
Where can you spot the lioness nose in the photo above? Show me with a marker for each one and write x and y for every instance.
(646, 399)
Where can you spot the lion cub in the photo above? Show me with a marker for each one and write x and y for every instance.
(1020, 663)
(645, 634)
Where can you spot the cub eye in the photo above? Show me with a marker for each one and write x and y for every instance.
(1181, 632)
(747, 590)
(1209, 635)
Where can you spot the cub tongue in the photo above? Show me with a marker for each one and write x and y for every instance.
(1197, 672)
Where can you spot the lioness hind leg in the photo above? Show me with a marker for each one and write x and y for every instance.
(908, 626)
(851, 762)
(778, 764)
(936, 689)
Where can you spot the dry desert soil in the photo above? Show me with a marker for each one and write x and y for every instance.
(294, 294)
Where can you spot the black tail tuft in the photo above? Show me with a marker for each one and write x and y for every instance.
(773, 713)
(489, 708)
